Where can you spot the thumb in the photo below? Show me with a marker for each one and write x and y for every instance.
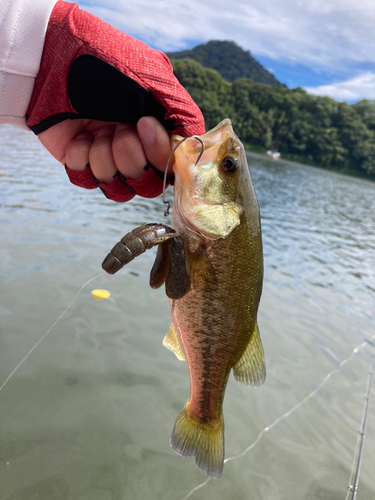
(155, 141)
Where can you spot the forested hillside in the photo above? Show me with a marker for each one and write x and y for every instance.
(229, 60)
(301, 126)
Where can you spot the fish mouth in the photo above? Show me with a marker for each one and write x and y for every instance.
(226, 123)
(223, 129)
(189, 151)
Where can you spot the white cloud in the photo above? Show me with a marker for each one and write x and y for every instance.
(326, 35)
(359, 87)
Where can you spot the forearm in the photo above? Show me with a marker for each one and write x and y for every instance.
(23, 25)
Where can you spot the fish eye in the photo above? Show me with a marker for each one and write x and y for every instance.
(229, 165)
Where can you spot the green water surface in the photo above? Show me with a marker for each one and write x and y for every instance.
(88, 415)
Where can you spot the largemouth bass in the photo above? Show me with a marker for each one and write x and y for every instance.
(214, 325)
(212, 265)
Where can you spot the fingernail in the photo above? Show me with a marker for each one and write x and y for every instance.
(146, 130)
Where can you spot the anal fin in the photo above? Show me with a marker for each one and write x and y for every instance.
(171, 342)
(250, 369)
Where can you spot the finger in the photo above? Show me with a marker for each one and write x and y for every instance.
(155, 141)
(77, 151)
(100, 156)
(128, 152)
(57, 138)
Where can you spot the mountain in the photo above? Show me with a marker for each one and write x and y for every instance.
(229, 60)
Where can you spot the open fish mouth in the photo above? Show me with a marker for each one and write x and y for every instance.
(193, 147)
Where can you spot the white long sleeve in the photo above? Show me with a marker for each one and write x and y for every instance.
(23, 25)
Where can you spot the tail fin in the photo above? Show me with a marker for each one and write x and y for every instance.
(204, 440)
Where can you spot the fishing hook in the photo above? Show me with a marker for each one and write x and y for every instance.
(166, 212)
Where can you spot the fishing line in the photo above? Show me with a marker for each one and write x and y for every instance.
(286, 415)
(166, 212)
(47, 332)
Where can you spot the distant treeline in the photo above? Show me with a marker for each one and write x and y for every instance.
(300, 126)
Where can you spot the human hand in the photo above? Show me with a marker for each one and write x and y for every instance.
(110, 149)
(95, 80)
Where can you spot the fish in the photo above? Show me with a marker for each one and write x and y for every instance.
(213, 270)
(211, 262)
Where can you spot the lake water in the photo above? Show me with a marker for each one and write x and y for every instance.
(88, 415)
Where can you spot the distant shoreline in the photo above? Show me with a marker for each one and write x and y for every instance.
(308, 163)
(284, 159)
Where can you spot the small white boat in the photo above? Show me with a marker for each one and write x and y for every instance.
(275, 155)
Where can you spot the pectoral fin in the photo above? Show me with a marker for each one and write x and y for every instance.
(217, 221)
(200, 268)
(171, 342)
(250, 368)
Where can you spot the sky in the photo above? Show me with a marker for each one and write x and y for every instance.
(326, 47)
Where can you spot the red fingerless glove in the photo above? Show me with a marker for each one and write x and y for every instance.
(91, 70)
(121, 188)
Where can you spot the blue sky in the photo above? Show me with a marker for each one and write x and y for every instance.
(324, 46)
